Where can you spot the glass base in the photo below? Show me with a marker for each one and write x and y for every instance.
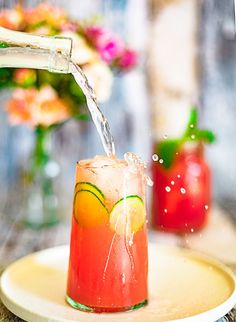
(86, 308)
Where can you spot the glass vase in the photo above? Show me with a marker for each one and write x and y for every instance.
(41, 201)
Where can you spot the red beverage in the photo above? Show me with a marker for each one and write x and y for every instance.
(181, 193)
(108, 250)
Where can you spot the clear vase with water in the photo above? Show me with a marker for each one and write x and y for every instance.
(41, 204)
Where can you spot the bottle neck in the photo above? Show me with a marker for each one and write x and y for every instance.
(33, 51)
(17, 57)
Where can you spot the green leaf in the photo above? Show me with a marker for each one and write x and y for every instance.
(82, 117)
(193, 119)
(193, 133)
(166, 150)
(3, 45)
(205, 135)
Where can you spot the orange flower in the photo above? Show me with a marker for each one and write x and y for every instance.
(11, 19)
(18, 107)
(50, 108)
(45, 13)
(34, 107)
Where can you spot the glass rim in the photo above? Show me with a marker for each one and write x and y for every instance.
(106, 166)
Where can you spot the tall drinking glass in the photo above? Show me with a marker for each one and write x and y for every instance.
(108, 251)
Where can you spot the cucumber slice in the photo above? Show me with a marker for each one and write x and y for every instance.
(90, 187)
(89, 210)
(128, 215)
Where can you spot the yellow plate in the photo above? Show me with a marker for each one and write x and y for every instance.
(184, 286)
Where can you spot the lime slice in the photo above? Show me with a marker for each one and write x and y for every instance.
(90, 187)
(128, 215)
(89, 210)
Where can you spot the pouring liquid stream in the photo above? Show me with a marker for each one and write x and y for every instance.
(101, 122)
(99, 119)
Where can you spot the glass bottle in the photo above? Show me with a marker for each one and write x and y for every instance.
(23, 50)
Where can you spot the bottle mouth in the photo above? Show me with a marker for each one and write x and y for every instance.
(62, 45)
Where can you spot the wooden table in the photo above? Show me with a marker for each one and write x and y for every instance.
(17, 241)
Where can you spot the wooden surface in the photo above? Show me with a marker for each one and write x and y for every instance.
(17, 241)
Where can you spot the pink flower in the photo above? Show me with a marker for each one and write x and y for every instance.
(109, 45)
(69, 26)
(128, 59)
(35, 107)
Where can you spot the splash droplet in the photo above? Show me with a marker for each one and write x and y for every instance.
(161, 161)
(192, 230)
(165, 136)
(193, 136)
(182, 190)
(149, 181)
(206, 207)
(168, 189)
(178, 175)
(155, 157)
(191, 126)
(172, 182)
(165, 211)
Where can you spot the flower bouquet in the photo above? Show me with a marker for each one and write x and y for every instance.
(44, 100)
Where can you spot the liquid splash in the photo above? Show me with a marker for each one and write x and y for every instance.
(136, 164)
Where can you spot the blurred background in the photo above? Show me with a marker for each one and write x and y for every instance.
(183, 57)
(164, 72)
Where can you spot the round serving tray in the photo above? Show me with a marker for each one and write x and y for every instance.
(184, 286)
